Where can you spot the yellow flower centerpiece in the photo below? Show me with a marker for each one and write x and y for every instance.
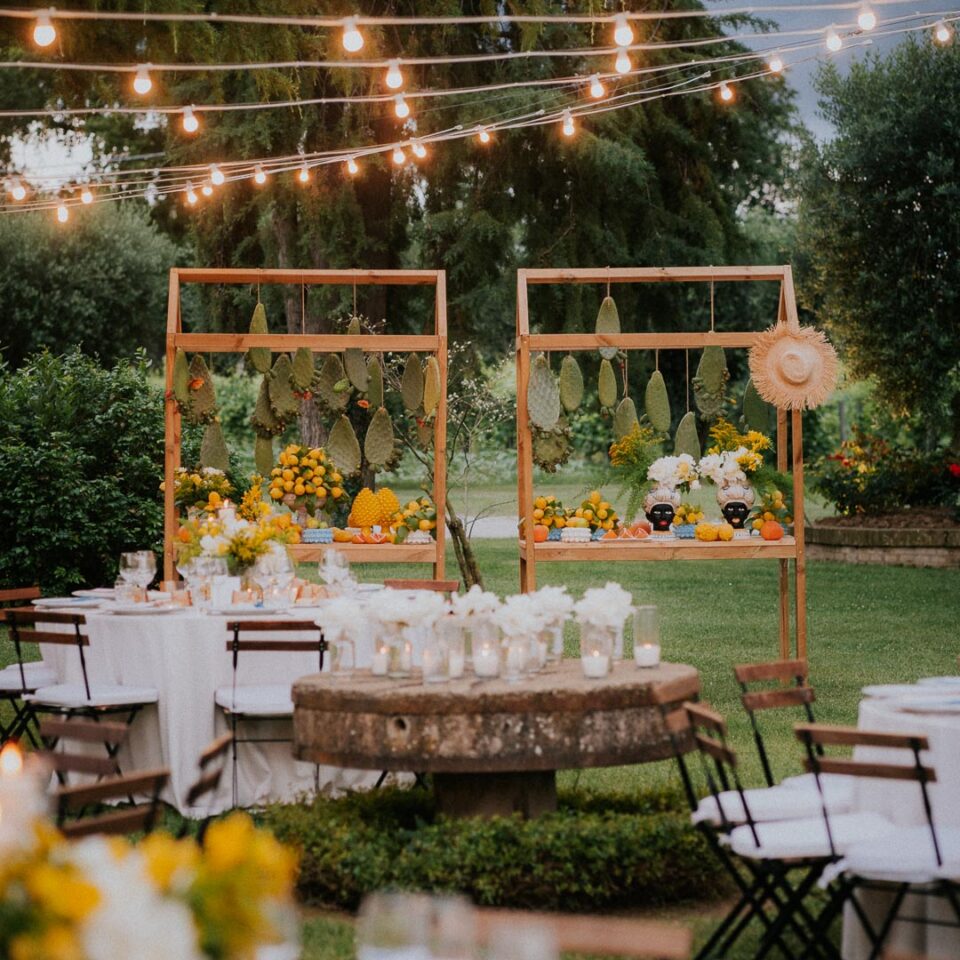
(204, 488)
(239, 540)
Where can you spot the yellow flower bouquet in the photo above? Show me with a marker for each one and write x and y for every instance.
(202, 489)
(239, 540)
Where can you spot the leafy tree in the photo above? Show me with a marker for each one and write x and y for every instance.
(879, 227)
(100, 285)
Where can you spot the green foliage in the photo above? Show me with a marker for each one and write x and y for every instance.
(81, 457)
(877, 219)
(596, 852)
(100, 284)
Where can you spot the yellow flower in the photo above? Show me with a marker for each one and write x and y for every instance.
(168, 858)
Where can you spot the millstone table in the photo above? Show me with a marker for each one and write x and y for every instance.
(493, 747)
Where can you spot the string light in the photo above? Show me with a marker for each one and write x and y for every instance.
(400, 107)
(44, 32)
(190, 121)
(353, 168)
(569, 128)
(866, 19)
(207, 189)
(726, 92)
(483, 134)
(597, 89)
(399, 156)
(216, 175)
(63, 214)
(834, 43)
(259, 177)
(191, 194)
(775, 63)
(18, 191)
(304, 175)
(352, 37)
(86, 196)
(623, 64)
(941, 32)
(142, 83)
(419, 150)
(622, 32)
(394, 79)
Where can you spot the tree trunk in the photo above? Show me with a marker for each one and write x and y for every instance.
(463, 548)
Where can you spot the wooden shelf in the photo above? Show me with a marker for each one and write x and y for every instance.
(367, 552)
(649, 549)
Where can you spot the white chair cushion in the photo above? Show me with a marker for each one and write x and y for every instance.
(765, 804)
(907, 856)
(101, 695)
(36, 674)
(257, 700)
(838, 788)
(802, 839)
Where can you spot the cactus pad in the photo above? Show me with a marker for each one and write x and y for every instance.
(282, 398)
(378, 445)
(330, 377)
(411, 384)
(374, 383)
(608, 321)
(543, 395)
(625, 419)
(181, 381)
(213, 448)
(686, 439)
(203, 401)
(260, 357)
(552, 448)
(344, 448)
(263, 455)
(303, 369)
(756, 410)
(264, 420)
(656, 402)
(571, 383)
(709, 384)
(607, 385)
(354, 361)
(431, 386)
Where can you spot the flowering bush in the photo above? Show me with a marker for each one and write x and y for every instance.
(240, 541)
(204, 488)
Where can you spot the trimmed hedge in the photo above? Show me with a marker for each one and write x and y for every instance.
(598, 851)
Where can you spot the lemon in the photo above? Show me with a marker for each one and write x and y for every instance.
(537, 514)
(276, 493)
(425, 524)
(594, 496)
(540, 503)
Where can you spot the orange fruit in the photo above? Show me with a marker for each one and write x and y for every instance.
(771, 530)
(540, 533)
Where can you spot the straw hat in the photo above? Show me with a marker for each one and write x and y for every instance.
(793, 367)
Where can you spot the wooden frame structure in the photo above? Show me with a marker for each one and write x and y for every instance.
(789, 435)
(435, 343)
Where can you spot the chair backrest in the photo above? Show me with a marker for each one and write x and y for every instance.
(438, 586)
(27, 626)
(18, 595)
(676, 722)
(779, 696)
(211, 763)
(608, 936)
(238, 629)
(110, 734)
(814, 735)
(122, 821)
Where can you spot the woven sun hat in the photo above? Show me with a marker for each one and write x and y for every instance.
(793, 367)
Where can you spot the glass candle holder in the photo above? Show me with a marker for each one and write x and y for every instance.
(646, 636)
(477, 630)
(342, 657)
(486, 658)
(452, 636)
(596, 649)
(399, 652)
(554, 638)
(516, 658)
(434, 659)
(381, 658)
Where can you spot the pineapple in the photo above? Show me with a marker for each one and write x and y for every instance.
(389, 506)
(366, 509)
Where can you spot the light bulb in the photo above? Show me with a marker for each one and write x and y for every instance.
(190, 122)
(63, 214)
(304, 175)
(623, 64)
(259, 177)
(216, 175)
(419, 150)
(866, 19)
(191, 194)
(353, 168)
(206, 189)
(18, 191)
(834, 43)
(352, 37)
(775, 63)
(569, 127)
(398, 156)
(394, 78)
(622, 31)
(142, 83)
(483, 134)
(86, 196)
(942, 33)
(44, 32)
(726, 92)
(400, 106)
(597, 89)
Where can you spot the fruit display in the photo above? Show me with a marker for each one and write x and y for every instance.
(707, 532)
(417, 516)
(549, 512)
(305, 477)
(597, 512)
(687, 513)
(772, 506)
(771, 530)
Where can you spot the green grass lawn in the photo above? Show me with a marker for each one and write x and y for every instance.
(867, 624)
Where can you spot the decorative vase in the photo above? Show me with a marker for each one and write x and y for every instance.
(660, 507)
(735, 500)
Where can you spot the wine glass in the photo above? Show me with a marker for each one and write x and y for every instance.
(335, 568)
(129, 566)
(146, 568)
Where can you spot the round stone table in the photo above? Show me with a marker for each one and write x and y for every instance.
(493, 747)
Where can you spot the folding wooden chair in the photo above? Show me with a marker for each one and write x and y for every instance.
(263, 701)
(139, 817)
(604, 936)
(437, 586)
(211, 763)
(94, 701)
(111, 734)
(20, 678)
(919, 860)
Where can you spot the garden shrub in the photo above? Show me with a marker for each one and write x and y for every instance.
(871, 475)
(596, 852)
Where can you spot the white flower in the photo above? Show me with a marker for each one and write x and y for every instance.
(608, 606)
(475, 602)
(519, 616)
(673, 472)
(214, 546)
(343, 617)
(553, 603)
(420, 609)
(212, 472)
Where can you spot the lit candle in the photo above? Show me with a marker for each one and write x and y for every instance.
(647, 654)
(486, 660)
(434, 669)
(381, 659)
(517, 652)
(406, 655)
(595, 664)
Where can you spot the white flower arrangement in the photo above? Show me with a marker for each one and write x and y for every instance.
(476, 602)
(343, 617)
(553, 603)
(723, 468)
(398, 608)
(519, 616)
(678, 472)
(607, 606)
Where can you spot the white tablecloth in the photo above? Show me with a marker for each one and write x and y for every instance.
(902, 803)
(183, 655)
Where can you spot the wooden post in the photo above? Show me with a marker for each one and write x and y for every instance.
(798, 520)
(528, 569)
(440, 427)
(171, 419)
(783, 464)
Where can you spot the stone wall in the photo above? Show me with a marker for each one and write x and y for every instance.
(930, 547)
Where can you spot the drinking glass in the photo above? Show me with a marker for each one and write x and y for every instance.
(646, 636)
(342, 656)
(129, 566)
(394, 926)
(146, 568)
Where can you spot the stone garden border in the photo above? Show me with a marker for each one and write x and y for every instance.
(920, 547)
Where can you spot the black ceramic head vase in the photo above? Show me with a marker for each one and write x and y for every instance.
(735, 501)
(659, 505)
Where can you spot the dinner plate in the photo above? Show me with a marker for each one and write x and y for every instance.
(142, 609)
(929, 705)
(246, 610)
(891, 691)
(939, 682)
(79, 603)
(101, 593)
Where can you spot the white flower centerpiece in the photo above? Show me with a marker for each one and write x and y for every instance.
(669, 477)
(405, 619)
(601, 614)
(522, 622)
(346, 625)
(474, 612)
(555, 605)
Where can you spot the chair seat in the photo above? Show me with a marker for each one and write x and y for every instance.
(74, 695)
(907, 856)
(807, 838)
(257, 700)
(36, 674)
(765, 804)
(838, 788)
